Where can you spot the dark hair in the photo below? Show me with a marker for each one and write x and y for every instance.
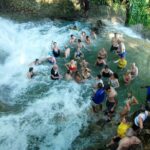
(107, 87)
(87, 37)
(30, 69)
(106, 67)
(68, 71)
(79, 40)
(127, 118)
(99, 76)
(75, 27)
(142, 108)
(115, 75)
(36, 59)
(99, 85)
(71, 35)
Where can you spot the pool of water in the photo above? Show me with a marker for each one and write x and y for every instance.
(45, 114)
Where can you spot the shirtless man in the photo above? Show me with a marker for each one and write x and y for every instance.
(128, 141)
(72, 39)
(30, 73)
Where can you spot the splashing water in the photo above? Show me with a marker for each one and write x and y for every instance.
(51, 113)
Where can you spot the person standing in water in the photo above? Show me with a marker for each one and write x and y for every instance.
(98, 98)
(121, 49)
(131, 100)
(30, 73)
(54, 73)
(55, 49)
(114, 42)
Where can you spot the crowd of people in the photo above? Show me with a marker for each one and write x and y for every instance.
(107, 83)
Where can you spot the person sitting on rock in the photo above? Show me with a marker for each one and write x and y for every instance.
(129, 140)
(122, 128)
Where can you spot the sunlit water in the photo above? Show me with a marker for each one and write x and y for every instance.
(40, 113)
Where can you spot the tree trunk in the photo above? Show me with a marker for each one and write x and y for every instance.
(128, 12)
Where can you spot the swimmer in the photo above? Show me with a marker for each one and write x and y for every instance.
(78, 78)
(113, 81)
(114, 42)
(67, 52)
(30, 73)
(78, 54)
(84, 63)
(86, 73)
(99, 80)
(122, 63)
(106, 72)
(54, 73)
(72, 39)
(55, 49)
(121, 51)
(80, 44)
(131, 100)
(88, 40)
(98, 98)
(93, 35)
(68, 75)
(72, 66)
(111, 102)
(36, 62)
(133, 71)
(83, 36)
(127, 78)
(51, 59)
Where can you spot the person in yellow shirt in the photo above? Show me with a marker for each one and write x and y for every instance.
(121, 132)
(122, 62)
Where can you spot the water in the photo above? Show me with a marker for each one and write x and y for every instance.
(44, 114)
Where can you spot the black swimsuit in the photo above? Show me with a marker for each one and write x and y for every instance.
(56, 53)
(54, 74)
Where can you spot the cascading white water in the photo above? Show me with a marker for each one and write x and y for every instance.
(48, 119)
(51, 113)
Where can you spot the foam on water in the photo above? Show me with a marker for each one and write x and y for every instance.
(53, 112)
(116, 27)
(53, 119)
